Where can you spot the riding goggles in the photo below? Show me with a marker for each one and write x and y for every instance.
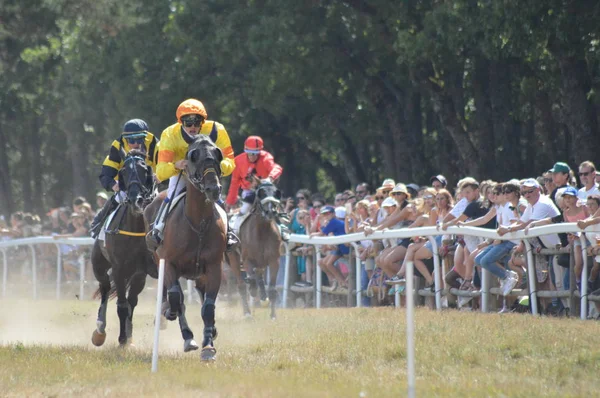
(135, 138)
(192, 120)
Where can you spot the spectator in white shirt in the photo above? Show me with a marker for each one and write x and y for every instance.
(587, 175)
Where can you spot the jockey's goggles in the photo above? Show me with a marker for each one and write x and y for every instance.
(135, 138)
(191, 120)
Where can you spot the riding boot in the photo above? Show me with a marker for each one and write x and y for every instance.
(96, 226)
(232, 239)
(154, 237)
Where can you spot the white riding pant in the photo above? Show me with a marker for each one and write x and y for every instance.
(174, 187)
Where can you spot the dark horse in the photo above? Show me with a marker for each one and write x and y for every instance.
(260, 240)
(124, 249)
(194, 242)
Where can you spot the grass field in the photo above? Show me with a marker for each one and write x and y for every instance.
(45, 350)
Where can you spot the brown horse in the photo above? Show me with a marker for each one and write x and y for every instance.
(124, 249)
(260, 240)
(194, 242)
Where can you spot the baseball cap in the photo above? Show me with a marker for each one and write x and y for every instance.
(413, 186)
(327, 209)
(440, 178)
(570, 191)
(560, 167)
(389, 202)
(531, 183)
(340, 212)
(102, 195)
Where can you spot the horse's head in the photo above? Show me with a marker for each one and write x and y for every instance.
(268, 198)
(135, 179)
(204, 166)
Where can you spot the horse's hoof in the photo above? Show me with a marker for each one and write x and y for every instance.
(248, 316)
(170, 316)
(190, 345)
(209, 353)
(98, 338)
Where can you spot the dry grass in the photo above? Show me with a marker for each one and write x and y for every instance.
(45, 351)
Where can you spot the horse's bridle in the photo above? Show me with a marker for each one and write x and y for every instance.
(198, 181)
(264, 201)
(147, 192)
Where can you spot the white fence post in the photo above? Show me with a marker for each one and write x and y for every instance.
(319, 277)
(159, 295)
(532, 278)
(58, 270)
(584, 277)
(286, 275)
(4, 272)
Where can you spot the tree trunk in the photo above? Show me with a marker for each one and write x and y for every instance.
(484, 124)
(6, 199)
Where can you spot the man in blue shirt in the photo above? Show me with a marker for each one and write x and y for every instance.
(331, 226)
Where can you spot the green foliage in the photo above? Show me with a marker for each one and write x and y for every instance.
(331, 86)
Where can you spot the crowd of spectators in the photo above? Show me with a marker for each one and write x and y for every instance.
(67, 221)
(506, 206)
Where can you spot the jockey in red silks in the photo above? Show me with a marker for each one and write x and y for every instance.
(252, 166)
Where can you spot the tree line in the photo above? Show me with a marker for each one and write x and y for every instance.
(342, 91)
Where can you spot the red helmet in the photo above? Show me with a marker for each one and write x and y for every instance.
(253, 144)
(191, 107)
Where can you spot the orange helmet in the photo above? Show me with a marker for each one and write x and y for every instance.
(191, 107)
(253, 144)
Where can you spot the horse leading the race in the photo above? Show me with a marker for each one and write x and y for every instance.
(194, 241)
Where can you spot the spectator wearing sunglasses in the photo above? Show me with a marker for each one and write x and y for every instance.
(175, 140)
(587, 175)
(135, 135)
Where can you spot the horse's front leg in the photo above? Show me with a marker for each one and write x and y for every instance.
(273, 294)
(189, 344)
(211, 290)
(123, 307)
(138, 281)
(101, 274)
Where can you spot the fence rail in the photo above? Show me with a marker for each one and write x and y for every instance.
(351, 239)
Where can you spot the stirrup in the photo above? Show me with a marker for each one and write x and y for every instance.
(232, 240)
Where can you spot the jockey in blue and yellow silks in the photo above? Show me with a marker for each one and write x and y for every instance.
(135, 135)
(175, 140)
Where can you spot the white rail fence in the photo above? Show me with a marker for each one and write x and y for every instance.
(431, 232)
(353, 240)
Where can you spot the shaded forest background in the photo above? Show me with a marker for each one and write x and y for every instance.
(343, 91)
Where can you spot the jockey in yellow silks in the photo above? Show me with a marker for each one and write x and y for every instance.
(135, 135)
(175, 140)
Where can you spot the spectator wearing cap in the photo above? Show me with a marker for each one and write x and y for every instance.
(413, 190)
(438, 182)
(340, 213)
(539, 207)
(101, 198)
(587, 175)
(362, 190)
(571, 212)
(335, 227)
(561, 175)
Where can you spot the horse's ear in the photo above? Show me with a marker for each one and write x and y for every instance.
(220, 154)
(277, 194)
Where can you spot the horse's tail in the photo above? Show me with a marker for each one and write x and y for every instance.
(112, 293)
